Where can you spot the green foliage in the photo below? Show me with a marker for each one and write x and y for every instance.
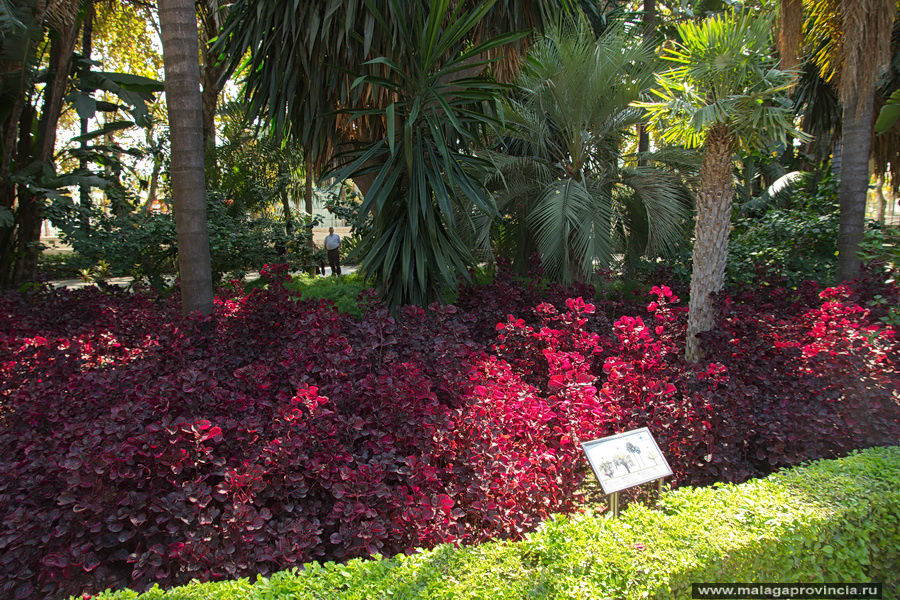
(278, 172)
(881, 247)
(790, 230)
(889, 115)
(423, 168)
(63, 265)
(343, 290)
(880, 250)
(563, 184)
(835, 520)
(144, 246)
(293, 59)
(798, 244)
(723, 73)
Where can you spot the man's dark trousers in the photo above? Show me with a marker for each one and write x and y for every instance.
(334, 261)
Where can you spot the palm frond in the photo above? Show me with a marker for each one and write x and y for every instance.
(721, 72)
(779, 193)
(571, 228)
(665, 208)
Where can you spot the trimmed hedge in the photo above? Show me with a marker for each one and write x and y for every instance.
(828, 521)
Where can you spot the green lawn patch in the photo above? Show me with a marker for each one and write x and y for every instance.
(343, 290)
(829, 521)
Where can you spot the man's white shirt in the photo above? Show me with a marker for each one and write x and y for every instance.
(332, 241)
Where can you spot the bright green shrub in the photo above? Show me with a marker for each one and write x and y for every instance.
(830, 521)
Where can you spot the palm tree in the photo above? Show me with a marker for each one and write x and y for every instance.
(178, 24)
(855, 38)
(294, 58)
(327, 75)
(723, 93)
(562, 183)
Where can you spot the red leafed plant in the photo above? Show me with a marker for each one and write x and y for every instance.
(138, 447)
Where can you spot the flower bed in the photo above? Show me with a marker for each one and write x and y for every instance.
(831, 521)
(139, 447)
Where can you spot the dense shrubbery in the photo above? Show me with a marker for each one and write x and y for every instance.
(799, 244)
(830, 521)
(145, 247)
(136, 446)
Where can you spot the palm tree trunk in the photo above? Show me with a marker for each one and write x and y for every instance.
(178, 23)
(712, 225)
(154, 184)
(286, 209)
(866, 44)
(856, 136)
(211, 73)
(648, 23)
(62, 45)
(790, 33)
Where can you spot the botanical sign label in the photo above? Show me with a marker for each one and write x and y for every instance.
(626, 460)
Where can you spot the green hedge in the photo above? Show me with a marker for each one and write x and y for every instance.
(830, 521)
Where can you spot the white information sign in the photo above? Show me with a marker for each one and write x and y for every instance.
(626, 460)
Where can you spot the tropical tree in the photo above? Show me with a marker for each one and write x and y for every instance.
(723, 92)
(563, 185)
(424, 168)
(211, 15)
(854, 39)
(325, 75)
(277, 176)
(294, 59)
(37, 46)
(178, 22)
(29, 122)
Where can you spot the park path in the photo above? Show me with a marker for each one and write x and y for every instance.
(77, 284)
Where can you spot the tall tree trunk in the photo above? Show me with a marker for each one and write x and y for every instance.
(882, 200)
(154, 183)
(308, 190)
(649, 34)
(178, 23)
(866, 29)
(87, 30)
(837, 157)
(153, 186)
(211, 74)
(30, 218)
(712, 225)
(856, 136)
(790, 33)
(286, 209)
(8, 235)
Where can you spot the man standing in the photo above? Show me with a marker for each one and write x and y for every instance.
(333, 245)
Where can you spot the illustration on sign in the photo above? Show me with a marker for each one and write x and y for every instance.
(626, 460)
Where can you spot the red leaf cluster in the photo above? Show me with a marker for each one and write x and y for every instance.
(138, 447)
